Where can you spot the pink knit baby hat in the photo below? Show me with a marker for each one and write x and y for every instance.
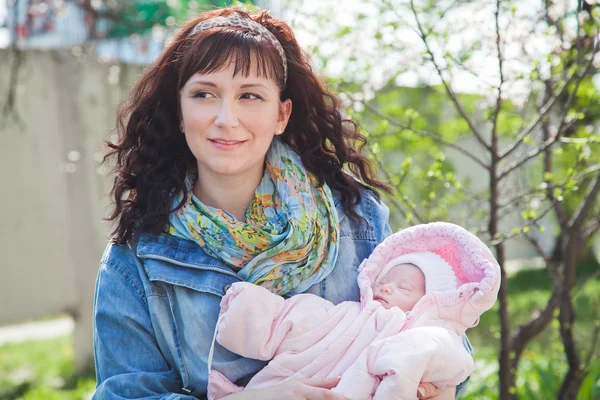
(439, 276)
(477, 271)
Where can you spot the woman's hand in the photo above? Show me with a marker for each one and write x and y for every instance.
(428, 391)
(303, 389)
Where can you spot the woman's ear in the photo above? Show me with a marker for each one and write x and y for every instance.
(285, 110)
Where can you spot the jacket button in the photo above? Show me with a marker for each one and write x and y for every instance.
(226, 288)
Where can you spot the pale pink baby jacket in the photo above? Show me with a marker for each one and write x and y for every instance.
(379, 353)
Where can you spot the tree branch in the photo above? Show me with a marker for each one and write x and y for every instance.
(529, 156)
(543, 112)
(573, 94)
(500, 69)
(592, 228)
(431, 135)
(550, 265)
(521, 196)
(559, 210)
(527, 331)
(531, 224)
(592, 350)
(590, 198)
(566, 318)
(395, 202)
(449, 90)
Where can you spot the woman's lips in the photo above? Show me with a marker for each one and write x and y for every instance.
(223, 144)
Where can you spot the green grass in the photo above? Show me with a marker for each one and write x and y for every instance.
(44, 369)
(529, 290)
(543, 363)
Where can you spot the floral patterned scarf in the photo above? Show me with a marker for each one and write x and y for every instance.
(289, 239)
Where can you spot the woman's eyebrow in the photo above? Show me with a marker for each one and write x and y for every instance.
(206, 83)
(252, 85)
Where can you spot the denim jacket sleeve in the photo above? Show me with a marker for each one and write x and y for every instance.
(129, 364)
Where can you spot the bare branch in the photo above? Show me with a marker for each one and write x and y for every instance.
(589, 200)
(527, 331)
(576, 140)
(538, 247)
(394, 200)
(592, 228)
(559, 210)
(500, 70)
(531, 224)
(449, 90)
(547, 107)
(592, 350)
(550, 265)
(566, 318)
(578, 177)
(542, 113)
(594, 49)
(534, 153)
(521, 196)
(427, 134)
(462, 65)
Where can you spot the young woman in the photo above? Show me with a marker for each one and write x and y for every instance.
(234, 163)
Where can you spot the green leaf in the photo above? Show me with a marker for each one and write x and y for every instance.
(343, 32)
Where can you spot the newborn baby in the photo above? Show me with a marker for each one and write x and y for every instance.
(420, 290)
(402, 287)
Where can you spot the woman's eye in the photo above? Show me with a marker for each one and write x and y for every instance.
(250, 96)
(202, 95)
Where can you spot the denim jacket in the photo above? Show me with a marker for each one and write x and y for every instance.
(157, 302)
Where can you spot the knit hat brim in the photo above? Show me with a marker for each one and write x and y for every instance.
(439, 275)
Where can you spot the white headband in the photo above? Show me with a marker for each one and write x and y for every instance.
(236, 20)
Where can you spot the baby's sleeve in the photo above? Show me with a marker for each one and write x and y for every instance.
(254, 322)
(394, 367)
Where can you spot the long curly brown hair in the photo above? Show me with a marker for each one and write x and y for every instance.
(152, 156)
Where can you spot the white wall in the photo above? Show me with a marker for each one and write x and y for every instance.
(52, 195)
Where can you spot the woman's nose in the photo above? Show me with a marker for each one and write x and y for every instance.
(226, 115)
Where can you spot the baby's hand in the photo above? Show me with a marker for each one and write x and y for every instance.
(428, 391)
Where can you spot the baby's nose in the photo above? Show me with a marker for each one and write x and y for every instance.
(386, 289)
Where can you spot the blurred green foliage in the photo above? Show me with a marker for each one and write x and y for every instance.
(41, 370)
(126, 18)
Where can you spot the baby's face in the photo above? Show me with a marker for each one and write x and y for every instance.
(402, 287)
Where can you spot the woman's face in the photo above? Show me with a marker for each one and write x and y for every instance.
(229, 121)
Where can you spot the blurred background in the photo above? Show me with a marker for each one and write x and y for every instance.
(483, 113)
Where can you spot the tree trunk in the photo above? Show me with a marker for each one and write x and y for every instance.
(572, 381)
(507, 371)
(571, 384)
